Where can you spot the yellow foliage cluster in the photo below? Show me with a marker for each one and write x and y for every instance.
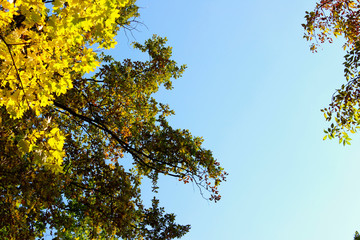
(41, 49)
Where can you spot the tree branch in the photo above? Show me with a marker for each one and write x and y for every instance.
(134, 152)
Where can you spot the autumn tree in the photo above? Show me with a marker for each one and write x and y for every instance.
(329, 19)
(64, 136)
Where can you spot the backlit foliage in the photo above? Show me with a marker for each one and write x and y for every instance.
(333, 18)
(64, 136)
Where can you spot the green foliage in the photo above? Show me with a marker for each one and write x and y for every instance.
(64, 137)
(157, 226)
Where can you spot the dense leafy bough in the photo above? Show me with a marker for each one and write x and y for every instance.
(63, 136)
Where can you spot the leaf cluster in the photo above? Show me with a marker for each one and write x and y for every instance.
(65, 137)
(332, 18)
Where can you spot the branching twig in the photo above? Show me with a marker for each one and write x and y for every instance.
(16, 69)
(134, 152)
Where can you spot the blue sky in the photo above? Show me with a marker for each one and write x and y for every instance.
(254, 91)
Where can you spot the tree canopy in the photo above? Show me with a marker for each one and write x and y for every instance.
(64, 135)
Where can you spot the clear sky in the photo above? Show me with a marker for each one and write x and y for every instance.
(254, 91)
